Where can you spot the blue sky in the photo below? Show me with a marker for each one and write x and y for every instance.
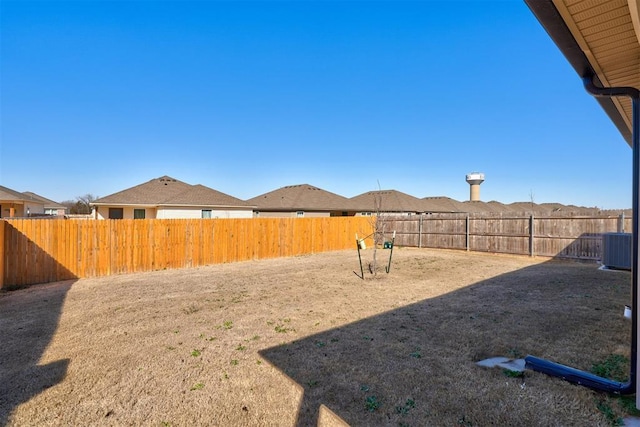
(247, 97)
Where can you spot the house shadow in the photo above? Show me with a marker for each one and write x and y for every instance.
(587, 247)
(393, 368)
(29, 317)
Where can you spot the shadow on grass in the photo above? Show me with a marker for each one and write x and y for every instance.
(21, 375)
(415, 365)
(23, 344)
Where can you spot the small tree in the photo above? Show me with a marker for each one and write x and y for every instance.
(378, 224)
(532, 199)
(81, 205)
(84, 203)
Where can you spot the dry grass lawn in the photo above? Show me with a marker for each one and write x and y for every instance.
(303, 341)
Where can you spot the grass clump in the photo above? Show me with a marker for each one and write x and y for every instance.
(513, 374)
(610, 414)
(281, 329)
(227, 324)
(197, 386)
(614, 366)
(404, 409)
(371, 403)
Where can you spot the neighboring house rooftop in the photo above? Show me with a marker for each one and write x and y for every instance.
(441, 204)
(302, 197)
(48, 204)
(168, 191)
(200, 195)
(387, 201)
(9, 194)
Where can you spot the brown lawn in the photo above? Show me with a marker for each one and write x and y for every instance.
(301, 341)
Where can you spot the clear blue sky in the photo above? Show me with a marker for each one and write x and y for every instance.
(247, 97)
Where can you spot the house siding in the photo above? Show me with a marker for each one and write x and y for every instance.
(173, 212)
(195, 213)
(294, 214)
(20, 208)
(127, 212)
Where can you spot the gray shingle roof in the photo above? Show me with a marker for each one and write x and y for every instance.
(441, 204)
(47, 202)
(387, 201)
(303, 197)
(170, 191)
(9, 194)
(205, 196)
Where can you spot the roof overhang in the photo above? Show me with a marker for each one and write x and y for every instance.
(601, 39)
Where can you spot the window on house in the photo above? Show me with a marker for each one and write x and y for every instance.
(116, 213)
(206, 213)
(138, 214)
(300, 214)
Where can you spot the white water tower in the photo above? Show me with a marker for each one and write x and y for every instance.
(475, 179)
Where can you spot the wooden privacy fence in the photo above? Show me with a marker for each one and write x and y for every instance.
(46, 250)
(553, 236)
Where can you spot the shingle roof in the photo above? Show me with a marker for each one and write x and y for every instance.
(497, 207)
(170, 191)
(47, 202)
(387, 201)
(303, 197)
(9, 194)
(205, 196)
(441, 204)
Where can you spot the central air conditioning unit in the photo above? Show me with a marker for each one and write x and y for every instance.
(616, 250)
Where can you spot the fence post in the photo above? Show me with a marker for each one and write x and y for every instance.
(621, 223)
(420, 231)
(466, 243)
(531, 235)
(3, 224)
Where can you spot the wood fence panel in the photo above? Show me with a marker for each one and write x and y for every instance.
(320, 235)
(44, 250)
(244, 235)
(444, 231)
(57, 235)
(221, 241)
(493, 233)
(572, 237)
(3, 258)
(406, 228)
(208, 242)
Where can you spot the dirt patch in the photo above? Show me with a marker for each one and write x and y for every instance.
(296, 340)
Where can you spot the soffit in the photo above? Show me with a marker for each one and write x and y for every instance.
(608, 34)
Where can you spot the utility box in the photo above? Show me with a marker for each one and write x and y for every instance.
(616, 250)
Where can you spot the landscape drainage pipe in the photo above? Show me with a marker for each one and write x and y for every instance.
(575, 375)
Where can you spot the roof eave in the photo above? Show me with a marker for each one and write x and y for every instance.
(553, 23)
